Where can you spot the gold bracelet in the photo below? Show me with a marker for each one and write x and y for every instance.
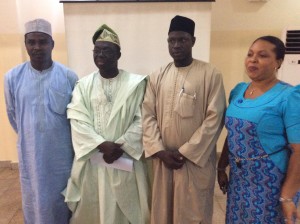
(283, 200)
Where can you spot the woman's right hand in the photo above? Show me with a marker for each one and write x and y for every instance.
(223, 181)
(290, 212)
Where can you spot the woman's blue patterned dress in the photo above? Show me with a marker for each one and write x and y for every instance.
(259, 131)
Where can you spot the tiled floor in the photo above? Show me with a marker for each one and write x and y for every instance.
(219, 206)
(11, 209)
(10, 197)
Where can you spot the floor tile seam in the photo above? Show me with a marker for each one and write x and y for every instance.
(12, 218)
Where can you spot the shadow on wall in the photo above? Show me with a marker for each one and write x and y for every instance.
(247, 6)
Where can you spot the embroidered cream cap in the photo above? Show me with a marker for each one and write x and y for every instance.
(105, 33)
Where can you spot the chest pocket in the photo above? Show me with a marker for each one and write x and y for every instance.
(185, 105)
(58, 100)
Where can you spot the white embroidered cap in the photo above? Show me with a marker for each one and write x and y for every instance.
(38, 25)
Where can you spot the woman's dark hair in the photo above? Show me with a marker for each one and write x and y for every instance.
(279, 45)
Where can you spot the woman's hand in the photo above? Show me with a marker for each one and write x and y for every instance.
(290, 212)
(223, 181)
(291, 186)
(222, 164)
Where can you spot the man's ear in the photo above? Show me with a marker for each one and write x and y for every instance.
(194, 40)
(119, 55)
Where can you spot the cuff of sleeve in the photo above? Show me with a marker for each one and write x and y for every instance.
(293, 134)
(196, 158)
(85, 154)
(134, 153)
(149, 153)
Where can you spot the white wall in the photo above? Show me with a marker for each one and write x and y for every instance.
(50, 10)
(142, 29)
(230, 15)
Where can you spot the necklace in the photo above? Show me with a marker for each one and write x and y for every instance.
(265, 88)
(251, 91)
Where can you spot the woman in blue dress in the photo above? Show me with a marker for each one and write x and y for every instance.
(262, 147)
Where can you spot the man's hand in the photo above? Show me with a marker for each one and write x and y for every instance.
(111, 151)
(171, 159)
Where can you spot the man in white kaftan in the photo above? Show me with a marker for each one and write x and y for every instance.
(182, 119)
(37, 94)
(107, 107)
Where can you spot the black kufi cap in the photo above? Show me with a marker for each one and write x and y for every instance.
(180, 23)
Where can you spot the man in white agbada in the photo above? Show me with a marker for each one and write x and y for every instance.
(105, 114)
(37, 93)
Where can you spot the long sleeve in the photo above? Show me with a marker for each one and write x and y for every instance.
(206, 136)
(132, 138)
(10, 102)
(84, 137)
(151, 131)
